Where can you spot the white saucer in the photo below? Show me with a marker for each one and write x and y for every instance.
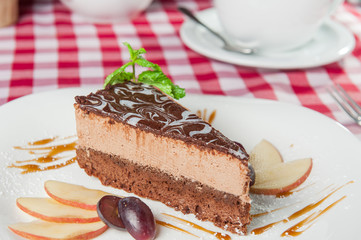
(331, 43)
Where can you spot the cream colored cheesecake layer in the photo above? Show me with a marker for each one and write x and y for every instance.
(215, 169)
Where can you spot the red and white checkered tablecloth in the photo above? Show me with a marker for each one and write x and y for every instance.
(51, 48)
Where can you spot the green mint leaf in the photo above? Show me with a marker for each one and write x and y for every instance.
(134, 54)
(178, 92)
(138, 53)
(161, 81)
(164, 88)
(130, 50)
(145, 63)
(121, 77)
(154, 77)
(114, 77)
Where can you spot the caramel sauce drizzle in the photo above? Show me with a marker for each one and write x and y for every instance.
(50, 149)
(41, 142)
(301, 212)
(292, 231)
(170, 226)
(218, 235)
(204, 116)
(283, 207)
(283, 195)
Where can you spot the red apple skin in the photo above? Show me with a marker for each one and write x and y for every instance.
(57, 219)
(84, 236)
(277, 191)
(49, 187)
(71, 203)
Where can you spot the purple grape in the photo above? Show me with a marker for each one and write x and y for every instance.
(107, 209)
(252, 175)
(137, 217)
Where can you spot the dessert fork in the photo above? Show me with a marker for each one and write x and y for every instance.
(346, 103)
(226, 45)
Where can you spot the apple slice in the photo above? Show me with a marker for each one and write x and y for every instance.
(264, 155)
(41, 230)
(50, 210)
(282, 177)
(74, 195)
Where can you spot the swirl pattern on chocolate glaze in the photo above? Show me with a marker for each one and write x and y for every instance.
(147, 108)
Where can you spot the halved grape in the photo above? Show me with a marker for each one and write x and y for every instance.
(137, 217)
(252, 175)
(107, 209)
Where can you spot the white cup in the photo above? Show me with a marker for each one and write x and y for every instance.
(273, 25)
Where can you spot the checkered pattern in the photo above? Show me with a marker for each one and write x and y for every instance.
(51, 48)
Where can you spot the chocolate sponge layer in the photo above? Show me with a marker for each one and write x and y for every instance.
(225, 210)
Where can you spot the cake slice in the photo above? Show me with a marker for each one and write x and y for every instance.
(134, 137)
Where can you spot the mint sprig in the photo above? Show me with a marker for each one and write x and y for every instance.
(154, 76)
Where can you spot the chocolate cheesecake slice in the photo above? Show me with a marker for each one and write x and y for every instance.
(133, 137)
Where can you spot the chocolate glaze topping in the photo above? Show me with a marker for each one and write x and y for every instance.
(147, 108)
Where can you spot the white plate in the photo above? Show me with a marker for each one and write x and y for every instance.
(297, 132)
(331, 43)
